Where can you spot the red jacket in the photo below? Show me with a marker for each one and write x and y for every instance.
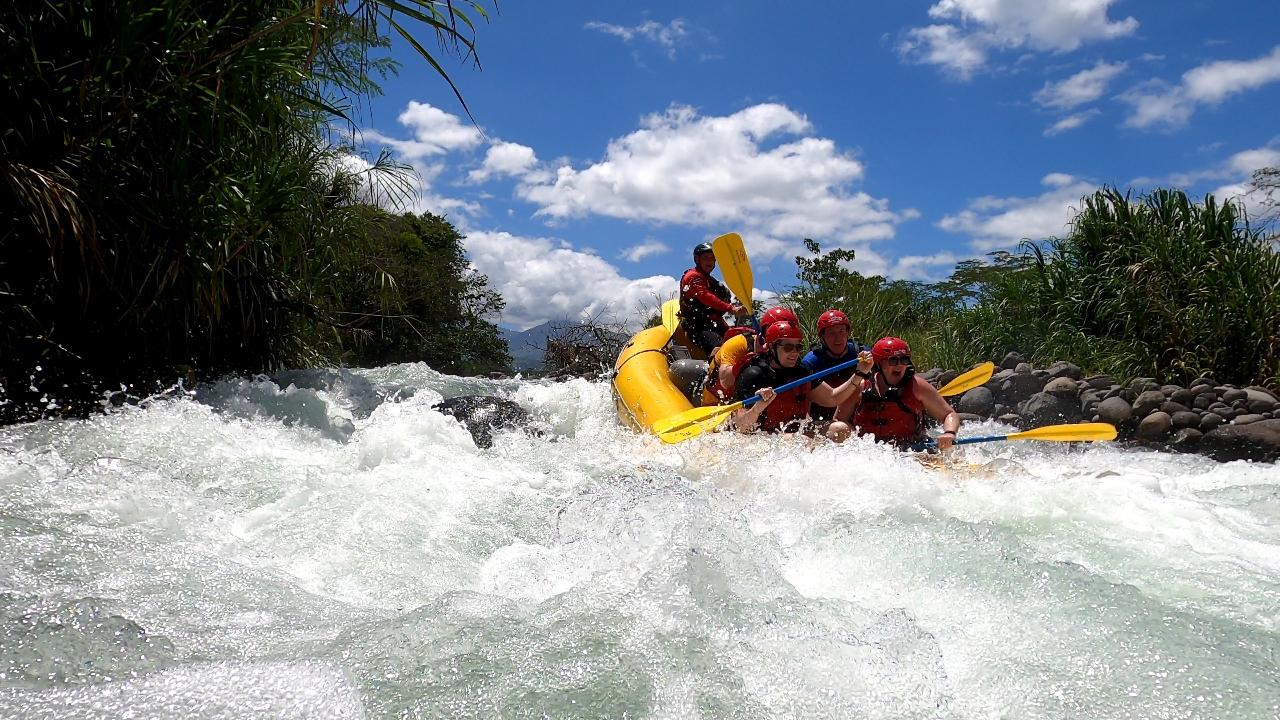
(703, 299)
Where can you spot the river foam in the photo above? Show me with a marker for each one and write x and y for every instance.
(327, 545)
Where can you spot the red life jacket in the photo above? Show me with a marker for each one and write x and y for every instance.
(791, 406)
(896, 415)
(788, 407)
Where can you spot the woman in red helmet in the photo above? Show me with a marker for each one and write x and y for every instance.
(779, 364)
(739, 344)
(892, 402)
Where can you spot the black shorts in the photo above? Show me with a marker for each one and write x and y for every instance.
(706, 338)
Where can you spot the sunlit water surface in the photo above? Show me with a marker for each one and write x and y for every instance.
(350, 553)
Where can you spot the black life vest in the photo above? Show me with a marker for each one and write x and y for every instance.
(695, 314)
(789, 409)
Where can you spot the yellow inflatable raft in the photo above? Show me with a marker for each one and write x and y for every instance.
(642, 388)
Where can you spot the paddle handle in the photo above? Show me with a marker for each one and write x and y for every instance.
(808, 379)
(978, 439)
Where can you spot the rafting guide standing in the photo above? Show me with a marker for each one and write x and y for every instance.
(704, 301)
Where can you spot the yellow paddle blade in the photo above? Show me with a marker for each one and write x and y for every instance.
(692, 423)
(969, 380)
(1080, 432)
(669, 319)
(731, 256)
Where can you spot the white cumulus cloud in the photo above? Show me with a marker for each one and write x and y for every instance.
(1246, 162)
(1216, 81)
(505, 159)
(1071, 122)
(1081, 88)
(667, 36)
(434, 131)
(924, 267)
(994, 223)
(636, 253)
(759, 171)
(545, 279)
(1228, 179)
(948, 46)
(1159, 103)
(966, 31)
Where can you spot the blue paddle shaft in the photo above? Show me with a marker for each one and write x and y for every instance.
(797, 383)
(980, 438)
(931, 443)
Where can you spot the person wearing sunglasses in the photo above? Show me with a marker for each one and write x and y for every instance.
(893, 401)
(729, 359)
(777, 365)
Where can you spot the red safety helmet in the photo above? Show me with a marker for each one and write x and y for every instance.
(735, 331)
(887, 347)
(782, 330)
(831, 318)
(778, 314)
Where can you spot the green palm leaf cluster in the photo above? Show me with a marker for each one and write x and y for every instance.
(178, 188)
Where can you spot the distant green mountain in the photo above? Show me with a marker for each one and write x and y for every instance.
(526, 346)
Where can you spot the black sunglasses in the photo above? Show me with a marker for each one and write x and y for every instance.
(898, 360)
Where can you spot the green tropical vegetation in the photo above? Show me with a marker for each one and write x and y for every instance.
(1157, 286)
(179, 192)
(423, 302)
(181, 197)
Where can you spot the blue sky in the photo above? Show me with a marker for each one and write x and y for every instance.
(612, 137)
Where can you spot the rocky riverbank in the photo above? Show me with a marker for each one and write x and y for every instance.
(1222, 421)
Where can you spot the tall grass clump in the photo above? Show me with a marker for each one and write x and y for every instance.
(1161, 286)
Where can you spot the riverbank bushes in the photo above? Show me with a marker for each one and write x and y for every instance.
(1158, 286)
(178, 193)
(414, 297)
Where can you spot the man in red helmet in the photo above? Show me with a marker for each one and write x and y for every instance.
(891, 402)
(778, 365)
(739, 342)
(704, 301)
(833, 348)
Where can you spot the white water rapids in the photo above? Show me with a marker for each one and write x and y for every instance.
(256, 553)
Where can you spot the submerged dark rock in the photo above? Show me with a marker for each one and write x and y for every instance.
(1255, 441)
(484, 414)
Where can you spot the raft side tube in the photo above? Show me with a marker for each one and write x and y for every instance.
(643, 391)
